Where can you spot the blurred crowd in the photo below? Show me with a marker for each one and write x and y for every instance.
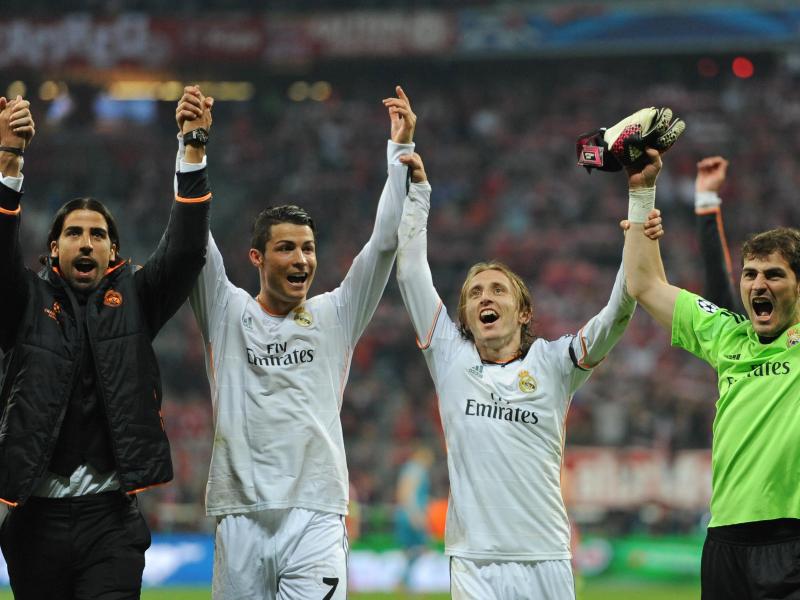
(43, 8)
(498, 144)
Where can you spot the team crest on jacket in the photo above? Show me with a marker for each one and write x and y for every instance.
(112, 298)
(302, 317)
(53, 312)
(527, 383)
(792, 337)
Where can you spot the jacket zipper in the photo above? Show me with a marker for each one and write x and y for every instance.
(48, 455)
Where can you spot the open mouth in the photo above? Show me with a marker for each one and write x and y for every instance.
(488, 316)
(762, 308)
(297, 278)
(84, 265)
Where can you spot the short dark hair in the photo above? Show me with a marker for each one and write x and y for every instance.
(783, 240)
(288, 213)
(81, 204)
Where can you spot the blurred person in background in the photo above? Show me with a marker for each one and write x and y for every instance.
(411, 511)
(277, 365)
(717, 268)
(753, 538)
(503, 398)
(82, 431)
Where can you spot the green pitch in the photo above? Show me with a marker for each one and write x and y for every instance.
(591, 591)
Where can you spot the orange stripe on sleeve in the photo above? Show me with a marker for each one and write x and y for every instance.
(4, 211)
(147, 487)
(193, 200)
(585, 351)
(725, 251)
(429, 337)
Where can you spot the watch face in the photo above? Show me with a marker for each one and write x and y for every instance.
(196, 137)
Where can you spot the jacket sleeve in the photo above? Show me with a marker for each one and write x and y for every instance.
(166, 279)
(717, 281)
(13, 291)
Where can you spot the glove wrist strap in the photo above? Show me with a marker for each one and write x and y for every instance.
(640, 202)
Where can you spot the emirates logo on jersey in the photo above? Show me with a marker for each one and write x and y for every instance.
(527, 383)
(792, 337)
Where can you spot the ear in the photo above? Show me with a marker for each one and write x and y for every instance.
(113, 252)
(256, 258)
(54, 249)
(525, 316)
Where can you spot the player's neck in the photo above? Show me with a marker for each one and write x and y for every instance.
(275, 307)
(499, 354)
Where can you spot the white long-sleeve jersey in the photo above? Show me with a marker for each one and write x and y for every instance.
(277, 382)
(503, 423)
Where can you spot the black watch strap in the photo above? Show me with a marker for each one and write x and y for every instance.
(12, 150)
(196, 137)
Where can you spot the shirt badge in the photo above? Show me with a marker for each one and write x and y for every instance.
(302, 317)
(54, 312)
(707, 306)
(527, 383)
(792, 337)
(112, 298)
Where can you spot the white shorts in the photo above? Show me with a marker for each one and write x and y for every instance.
(472, 579)
(287, 554)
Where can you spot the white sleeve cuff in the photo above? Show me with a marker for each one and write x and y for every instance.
(395, 151)
(181, 152)
(187, 167)
(15, 183)
(706, 200)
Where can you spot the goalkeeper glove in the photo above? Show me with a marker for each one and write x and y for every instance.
(624, 143)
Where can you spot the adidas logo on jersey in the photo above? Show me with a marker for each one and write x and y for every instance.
(477, 371)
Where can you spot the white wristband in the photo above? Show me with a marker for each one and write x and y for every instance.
(706, 200)
(640, 202)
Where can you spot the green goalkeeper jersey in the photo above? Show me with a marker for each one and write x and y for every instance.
(755, 457)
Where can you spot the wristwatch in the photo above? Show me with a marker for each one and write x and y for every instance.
(196, 137)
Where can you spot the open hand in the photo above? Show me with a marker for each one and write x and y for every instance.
(402, 117)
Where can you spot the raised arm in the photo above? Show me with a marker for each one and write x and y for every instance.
(644, 270)
(16, 130)
(602, 332)
(717, 269)
(169, 274)
(358, 296)
(413, 272)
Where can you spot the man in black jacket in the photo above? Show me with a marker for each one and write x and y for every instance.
(81, 430)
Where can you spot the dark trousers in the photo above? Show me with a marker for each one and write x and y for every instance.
(752, 561)
(83, 548)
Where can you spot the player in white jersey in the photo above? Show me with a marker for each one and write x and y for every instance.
(277, 364)
(503, 400)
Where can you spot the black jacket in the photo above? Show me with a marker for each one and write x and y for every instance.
(43, 341)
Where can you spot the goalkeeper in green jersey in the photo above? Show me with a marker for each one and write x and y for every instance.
(753, 541)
